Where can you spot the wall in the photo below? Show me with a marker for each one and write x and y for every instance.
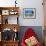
(7, 3)
(39, 13)
(27, 4)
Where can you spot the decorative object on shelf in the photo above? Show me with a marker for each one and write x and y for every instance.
(7, 34)
(13, 12)
(5, 12)
(15, 37)
(15, 34)
(29, 13)
(15, 30)
(6, 21)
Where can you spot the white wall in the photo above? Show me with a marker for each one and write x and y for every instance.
(39, 13)
(27, 4)
(7, 3)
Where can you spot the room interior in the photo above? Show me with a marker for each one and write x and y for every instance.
(17, 16)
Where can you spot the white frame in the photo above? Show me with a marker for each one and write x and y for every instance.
(29, 15)
(5, 12)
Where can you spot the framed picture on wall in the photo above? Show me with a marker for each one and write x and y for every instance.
(29, 13)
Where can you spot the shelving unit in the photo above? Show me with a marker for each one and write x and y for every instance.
(6, 24)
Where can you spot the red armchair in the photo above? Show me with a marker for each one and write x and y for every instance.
(29, 36)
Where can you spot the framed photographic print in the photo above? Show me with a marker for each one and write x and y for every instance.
(5, 12)
(29, 13)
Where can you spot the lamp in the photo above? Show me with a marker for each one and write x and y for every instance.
(15, 3)
(15, 30)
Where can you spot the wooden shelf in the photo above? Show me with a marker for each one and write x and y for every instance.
(9, 8)
(9, 26)
(9, 43)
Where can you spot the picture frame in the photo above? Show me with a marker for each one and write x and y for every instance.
(5, 12)
(29, 13)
